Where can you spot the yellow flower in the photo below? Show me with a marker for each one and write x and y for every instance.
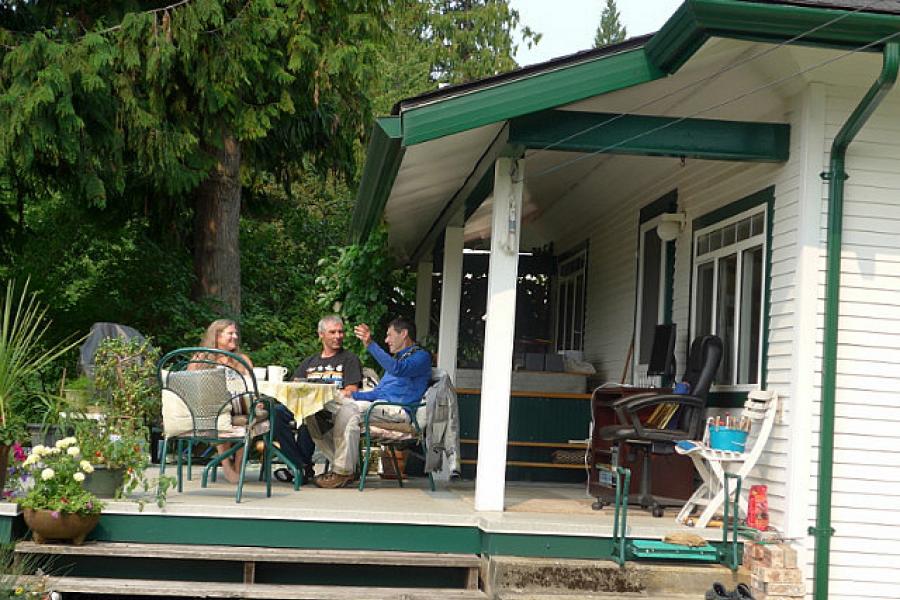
(79, 476)
(86, 466)
(20, 591)
(66, 442)
(30, 460)
(39, 450)
(73, 451)
(47, 474)
(53, 451)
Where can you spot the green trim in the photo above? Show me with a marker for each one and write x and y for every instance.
(698, 20)
(711, 139)
(765, 196)
(836, 177)
(664, 204)
(489, 105)
(382, 164)
(6, 529)
(278, 533)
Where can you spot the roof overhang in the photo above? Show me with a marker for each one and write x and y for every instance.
(485, 105)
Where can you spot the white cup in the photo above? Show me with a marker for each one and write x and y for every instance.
(259, 373)
(277, 374)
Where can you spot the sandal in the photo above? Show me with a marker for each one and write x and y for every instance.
(284, 475)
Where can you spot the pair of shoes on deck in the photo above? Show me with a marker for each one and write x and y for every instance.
(718, 592)
(333, 480)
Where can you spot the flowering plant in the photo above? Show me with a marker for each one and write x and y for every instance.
(58, 474)
(15, 474)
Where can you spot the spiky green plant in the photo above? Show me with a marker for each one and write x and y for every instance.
(24, 351)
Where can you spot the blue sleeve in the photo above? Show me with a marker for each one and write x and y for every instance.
(360, 395)
(417, 364)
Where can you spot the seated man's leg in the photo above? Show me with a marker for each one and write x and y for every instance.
(284, 435)
(345, 440)
(307, 447)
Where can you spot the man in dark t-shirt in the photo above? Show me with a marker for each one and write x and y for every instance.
(332, 365)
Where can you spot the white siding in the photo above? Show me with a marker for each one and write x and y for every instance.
(866, 546)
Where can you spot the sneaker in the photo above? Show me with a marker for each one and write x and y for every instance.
(333, 480)
(718, 592)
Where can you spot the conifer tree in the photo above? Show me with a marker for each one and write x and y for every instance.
(161, 105)
(611, 30)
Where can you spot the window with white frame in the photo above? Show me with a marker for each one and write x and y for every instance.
(653, 278)
(729, 271)
(570, 301)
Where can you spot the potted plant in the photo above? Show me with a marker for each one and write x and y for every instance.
(118, 455)
(57, 506)
(24, 351)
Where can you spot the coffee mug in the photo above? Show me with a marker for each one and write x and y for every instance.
(277, 373)
(259, 373)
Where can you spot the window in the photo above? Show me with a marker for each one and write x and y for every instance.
(570, 301)
(654, 277)
(729, 260)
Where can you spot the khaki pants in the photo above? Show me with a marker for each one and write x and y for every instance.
(336, 429)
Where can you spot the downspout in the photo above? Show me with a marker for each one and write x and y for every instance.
(836, 177)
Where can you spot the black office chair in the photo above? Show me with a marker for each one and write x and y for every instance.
(685, 424)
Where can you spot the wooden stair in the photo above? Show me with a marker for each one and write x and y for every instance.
(467, 565)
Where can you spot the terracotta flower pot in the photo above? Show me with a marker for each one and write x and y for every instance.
(44, 526)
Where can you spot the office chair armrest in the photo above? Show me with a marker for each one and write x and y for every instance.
(631, 406)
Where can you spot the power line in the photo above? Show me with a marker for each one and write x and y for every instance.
(714, 106)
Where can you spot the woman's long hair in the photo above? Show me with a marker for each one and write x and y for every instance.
(211, 337)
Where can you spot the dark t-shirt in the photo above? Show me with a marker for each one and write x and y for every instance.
(343, 369)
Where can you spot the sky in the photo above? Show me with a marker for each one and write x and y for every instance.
(569, 25)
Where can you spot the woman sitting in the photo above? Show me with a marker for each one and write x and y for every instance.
(222, 334)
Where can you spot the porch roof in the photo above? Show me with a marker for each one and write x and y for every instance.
(435, 154)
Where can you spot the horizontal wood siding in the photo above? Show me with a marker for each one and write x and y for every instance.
(866, 546)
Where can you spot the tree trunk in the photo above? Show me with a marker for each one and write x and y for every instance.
(217, 208)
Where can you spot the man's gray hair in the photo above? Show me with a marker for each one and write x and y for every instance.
(324, 321)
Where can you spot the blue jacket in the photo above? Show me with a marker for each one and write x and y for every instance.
(406, 375)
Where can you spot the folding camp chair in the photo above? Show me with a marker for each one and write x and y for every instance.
(712, 465)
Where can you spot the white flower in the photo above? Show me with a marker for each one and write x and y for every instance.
(47, 474)
(66, 442)
(86, 466)
(73, 451)
(53, 451)
(31, 459)
(79, 476)
(39, 450)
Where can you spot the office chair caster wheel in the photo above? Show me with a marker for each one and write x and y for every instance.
(657, 511)
(598, 505)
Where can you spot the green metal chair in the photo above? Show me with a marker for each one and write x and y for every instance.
(199, 396)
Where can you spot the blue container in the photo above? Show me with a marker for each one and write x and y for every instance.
(732, 440)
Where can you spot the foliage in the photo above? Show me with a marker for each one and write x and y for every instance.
(21, 578)
(126, 384)
(22, 353)
(610, 30)
(364, 285)
(58, 474)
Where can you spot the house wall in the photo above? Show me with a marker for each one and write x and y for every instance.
(704, 186)
(866, 492)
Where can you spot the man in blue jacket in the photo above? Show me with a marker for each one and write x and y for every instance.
(406, 376)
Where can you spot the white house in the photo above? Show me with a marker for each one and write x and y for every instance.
(725, 124)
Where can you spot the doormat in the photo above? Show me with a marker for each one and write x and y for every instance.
(554, 506)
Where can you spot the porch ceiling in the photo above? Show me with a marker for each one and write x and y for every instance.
(727, 79)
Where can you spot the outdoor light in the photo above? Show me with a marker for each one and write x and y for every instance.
(670, 225)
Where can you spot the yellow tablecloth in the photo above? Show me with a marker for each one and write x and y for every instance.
(301, 397)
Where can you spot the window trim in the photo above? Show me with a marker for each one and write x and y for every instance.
(581, 249)
(734, 395)
(651, 213)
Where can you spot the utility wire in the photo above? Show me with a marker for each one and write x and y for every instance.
(715, 106)
(703, 80)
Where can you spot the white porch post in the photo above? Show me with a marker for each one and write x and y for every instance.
(490, 481)
(451, 294)
(423, 297)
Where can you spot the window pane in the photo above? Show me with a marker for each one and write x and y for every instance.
(703, 244)
(743, 229)
(704, 299)
(649, 293)
(757, 223)
(715, 239)
(561, 317)
(725, 304)
(728, 234)
(751, 313)
(578, 314)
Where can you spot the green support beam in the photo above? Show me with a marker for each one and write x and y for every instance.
(382, 163)
(574, 131)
